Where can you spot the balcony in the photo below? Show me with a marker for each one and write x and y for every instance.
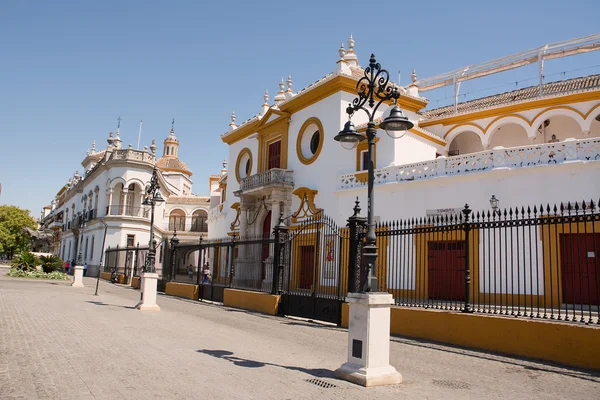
(499, 158)
(266, 181)
(127, 211)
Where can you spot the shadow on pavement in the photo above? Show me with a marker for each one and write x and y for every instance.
(530, 366)
(100, 303)
(242, 362)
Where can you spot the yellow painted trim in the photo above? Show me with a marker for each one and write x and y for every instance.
(364, 146)
(557, 108)
(514, 108)
(591, 110)
(185, 290)
(305, 125)
(465, 124)
(307, 204)
(562, 343)
(134, 281)
(254, 301)
(502, 117)
(362, 176)
(340, 83)
(235, 225)
(245, 150)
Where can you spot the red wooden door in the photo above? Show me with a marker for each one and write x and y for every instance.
(579, 267)
(266, 234)
(274, 155)
(446, 270)
(307, 266)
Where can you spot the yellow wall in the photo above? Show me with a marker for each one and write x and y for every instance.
(105, 276)
(184, 290)
(254, 301)
(134, 281)
(562, 343)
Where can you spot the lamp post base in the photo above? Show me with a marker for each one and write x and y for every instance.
(148, 302)
(369, 341)
(78, 276)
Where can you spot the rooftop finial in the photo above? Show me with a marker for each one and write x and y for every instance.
(153, 146)
(117, 142)
(173, 124)
(224, 163)
(265, 106)
(413, 76)
(281, 94)
(350, 56)
(289, 84)
(232, 125)
(118, 123)
(342, 51)
(93, 147)
(110, 139)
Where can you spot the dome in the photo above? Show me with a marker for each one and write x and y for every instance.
(173, 164)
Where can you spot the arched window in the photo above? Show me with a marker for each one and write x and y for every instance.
(177, 220)
(199, 221)
(130, 199)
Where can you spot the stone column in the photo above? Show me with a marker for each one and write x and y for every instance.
(125, 193)
(110, 197)
(78, 276)
(369, 341)
(148, 302)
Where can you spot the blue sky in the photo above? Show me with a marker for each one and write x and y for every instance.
(70, 68)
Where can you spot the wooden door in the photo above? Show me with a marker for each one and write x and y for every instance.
(307, 266)
(266, 247)
(446, 270)
(274, 158)
(579, 267)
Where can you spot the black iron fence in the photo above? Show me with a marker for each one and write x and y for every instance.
(539, 262)
(128, 261)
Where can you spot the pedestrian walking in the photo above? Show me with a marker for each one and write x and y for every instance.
(190, 272)
(67, 265)
(206, 274)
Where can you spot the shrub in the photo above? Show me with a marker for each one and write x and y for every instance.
(51, 263)
(35, 274)
(26, 261)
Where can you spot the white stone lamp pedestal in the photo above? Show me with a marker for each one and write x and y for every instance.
(149, 281)
(78, 276)
(369, 341)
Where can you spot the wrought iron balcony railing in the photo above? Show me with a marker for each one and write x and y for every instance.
(272, 177)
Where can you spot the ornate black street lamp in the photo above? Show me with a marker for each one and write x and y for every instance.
(152, 198)
(494, 203)
(373, 89)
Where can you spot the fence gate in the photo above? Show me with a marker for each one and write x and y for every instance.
(314, 273)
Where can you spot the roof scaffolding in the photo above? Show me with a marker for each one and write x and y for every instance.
(547, 52)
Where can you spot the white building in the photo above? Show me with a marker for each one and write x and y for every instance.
(110, 195)
(529, 146)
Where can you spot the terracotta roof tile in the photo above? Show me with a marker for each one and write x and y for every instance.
(531, 92)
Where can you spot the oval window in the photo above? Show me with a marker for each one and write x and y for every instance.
(314, 142)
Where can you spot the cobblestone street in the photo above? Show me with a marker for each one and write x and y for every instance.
(64, 343)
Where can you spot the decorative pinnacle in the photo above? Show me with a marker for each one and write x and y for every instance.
(266, 97)
(413, 76)
(224, 163)
(342, 51)
(372, 62)
(173, 124)
(350, 44)
(281, 86)
(94, 146)
(233, 117)
(356, 208)
(289, 84)
(119, 123)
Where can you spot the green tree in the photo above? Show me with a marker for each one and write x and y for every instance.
(13, 221)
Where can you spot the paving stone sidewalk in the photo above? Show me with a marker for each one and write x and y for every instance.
(58, 342)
